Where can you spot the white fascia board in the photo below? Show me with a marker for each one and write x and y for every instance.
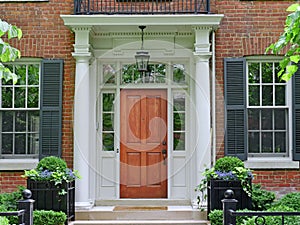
(212, 20)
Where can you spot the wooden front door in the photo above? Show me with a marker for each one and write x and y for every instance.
(143, 159)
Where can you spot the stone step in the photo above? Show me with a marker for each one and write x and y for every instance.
(139, 222)
(140, 213)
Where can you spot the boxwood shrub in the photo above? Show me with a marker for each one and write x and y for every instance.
(48, 217)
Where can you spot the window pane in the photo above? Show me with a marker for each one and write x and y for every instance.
(280, 119)
(254, 99)
(179, 121)
(179, 102)
(280, 142)
(109, 73)
(108, 142)
(20, 97)
(34, 121)
(253, 119)
(9, 82)
(108, 119)
(20, 121)
(277, 69)
(253, 139)
(20, 70)
(130, 73)
(20, 144)
(267, 142)
(178, 73)
(267, 72)
(179, 141)
(253, 73)
(108, 102)
(7, 121)
(280, 95)
(33, 97)
(7, 97)
(33, 74)
(33, 143)
(266, 119)
(7, 144)
(267, 95)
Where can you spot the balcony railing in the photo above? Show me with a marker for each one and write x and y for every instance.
(130, 7)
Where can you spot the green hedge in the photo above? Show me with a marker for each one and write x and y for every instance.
(48, 217)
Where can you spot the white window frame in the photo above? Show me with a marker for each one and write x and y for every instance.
(21, 163)
(273, 162)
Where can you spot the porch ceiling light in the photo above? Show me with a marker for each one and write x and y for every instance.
(142, 57)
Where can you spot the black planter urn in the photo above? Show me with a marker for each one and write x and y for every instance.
(215, 193)
(48, 196)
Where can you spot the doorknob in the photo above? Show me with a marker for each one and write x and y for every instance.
(164, 153)
(164, 143)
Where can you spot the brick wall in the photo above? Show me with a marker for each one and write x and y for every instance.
(247, 28)
(44, 36)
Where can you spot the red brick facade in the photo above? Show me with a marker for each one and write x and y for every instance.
(247, 28)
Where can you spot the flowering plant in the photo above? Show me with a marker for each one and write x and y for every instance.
(229, 169)
(53, 169)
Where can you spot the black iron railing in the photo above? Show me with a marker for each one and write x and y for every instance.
(230, 213)
(130, 7)
(20, 214)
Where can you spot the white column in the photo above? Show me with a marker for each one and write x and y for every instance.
(81, 115)
(202, 55)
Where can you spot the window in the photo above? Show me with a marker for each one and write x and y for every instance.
(108, 121)
(262, 113)
(267, 110)
(19, 115)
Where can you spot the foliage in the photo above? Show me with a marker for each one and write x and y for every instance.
(290, 38)
(4, 220)
(226, 168)
(52, 164)
(276, 220)
(8, 202)
(228, 163)
(54, 169)
(7, 52)
(216, 217)
(261, 199)
(48, 217)
(291, 200)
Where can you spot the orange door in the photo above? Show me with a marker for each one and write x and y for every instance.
(143, 144)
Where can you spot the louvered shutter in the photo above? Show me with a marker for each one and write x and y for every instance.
(51, 108)
(235, 108)
(296, 115)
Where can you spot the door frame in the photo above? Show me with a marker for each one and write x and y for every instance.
(183, 192)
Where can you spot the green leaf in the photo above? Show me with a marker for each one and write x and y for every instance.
(293, 7)
(295, 58)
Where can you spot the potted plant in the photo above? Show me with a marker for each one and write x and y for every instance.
(227, 173)
(53, 186)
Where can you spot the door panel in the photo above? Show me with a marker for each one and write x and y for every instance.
(143, 168)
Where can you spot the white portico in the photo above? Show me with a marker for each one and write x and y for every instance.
(180, 51)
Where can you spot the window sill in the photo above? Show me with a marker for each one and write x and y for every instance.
(18, 164)
(271, 163)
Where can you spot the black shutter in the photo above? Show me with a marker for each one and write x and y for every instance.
(235, 108)
(51, 108)
(296, 115)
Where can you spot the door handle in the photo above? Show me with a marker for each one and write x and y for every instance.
(164, 153)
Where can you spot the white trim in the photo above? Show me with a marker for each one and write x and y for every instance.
(271, 163)
(136, 20)
(18, 164)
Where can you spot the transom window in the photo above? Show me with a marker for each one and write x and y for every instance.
(267, 110)
(19, 112)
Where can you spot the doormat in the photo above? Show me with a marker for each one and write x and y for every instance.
(140, 208)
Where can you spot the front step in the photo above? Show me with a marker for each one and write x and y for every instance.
(140, 215)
